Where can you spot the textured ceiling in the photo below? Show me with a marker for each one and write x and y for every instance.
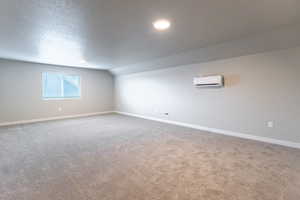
(113, 34)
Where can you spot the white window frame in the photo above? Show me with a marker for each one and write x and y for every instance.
(62, 88)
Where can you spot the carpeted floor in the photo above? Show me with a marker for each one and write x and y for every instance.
(115, 157)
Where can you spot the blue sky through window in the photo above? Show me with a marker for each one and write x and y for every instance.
(57, 85)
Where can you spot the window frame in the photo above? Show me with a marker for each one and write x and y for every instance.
(61, 98)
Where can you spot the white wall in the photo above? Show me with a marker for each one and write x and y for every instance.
(259, 88)
(21, 92)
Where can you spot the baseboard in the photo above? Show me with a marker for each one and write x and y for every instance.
(53, 118)
(219, 131)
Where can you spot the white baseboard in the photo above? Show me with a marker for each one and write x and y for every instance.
(219, 131)
(53, 118)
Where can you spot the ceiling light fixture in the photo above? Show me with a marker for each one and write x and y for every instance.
(162, 24)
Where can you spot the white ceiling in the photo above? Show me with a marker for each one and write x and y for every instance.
(116, 34)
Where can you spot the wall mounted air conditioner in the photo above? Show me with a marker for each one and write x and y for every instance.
(209, 81)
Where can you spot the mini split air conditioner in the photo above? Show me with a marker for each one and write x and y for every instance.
(209, 81)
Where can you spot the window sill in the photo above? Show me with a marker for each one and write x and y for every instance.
(59, 99)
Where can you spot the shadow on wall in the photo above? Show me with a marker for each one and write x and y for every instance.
(232, 80)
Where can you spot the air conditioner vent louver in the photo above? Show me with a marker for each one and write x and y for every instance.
(209, 81)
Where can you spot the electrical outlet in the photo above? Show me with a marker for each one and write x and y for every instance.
(270, 124)
(59, 109)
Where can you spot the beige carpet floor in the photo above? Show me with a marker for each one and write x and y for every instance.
(115, 157)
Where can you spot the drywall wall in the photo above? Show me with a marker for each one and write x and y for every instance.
(21, 92)
(259, 88)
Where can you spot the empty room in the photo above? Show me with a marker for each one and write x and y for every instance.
(149, 100)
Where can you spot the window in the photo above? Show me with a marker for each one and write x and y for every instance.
(60, 86)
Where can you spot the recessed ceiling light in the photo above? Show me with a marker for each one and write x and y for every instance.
(162, 24)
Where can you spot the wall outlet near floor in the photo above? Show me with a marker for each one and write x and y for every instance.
(270, 124)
